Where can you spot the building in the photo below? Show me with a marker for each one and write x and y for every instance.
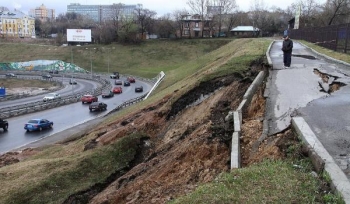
(245, 31)
(101, 13)
(42, 13)
(193, 26)
(16, 24)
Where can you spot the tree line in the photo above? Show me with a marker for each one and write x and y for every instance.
(223, 14)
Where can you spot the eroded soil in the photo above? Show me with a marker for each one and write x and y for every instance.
(185, 146)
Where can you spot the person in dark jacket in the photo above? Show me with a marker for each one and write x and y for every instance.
(287, 48)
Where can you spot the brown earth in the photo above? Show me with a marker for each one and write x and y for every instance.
(187, 145)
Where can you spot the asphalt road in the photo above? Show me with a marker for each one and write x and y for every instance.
(64, 117)
(81, 85)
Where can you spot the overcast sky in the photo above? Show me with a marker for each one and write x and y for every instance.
(160, 6)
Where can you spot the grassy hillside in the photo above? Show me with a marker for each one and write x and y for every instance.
(96, 158)
(145, 60)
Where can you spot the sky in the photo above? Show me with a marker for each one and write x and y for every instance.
(160, 6)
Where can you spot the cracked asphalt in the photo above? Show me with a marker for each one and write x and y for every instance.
(300, 91)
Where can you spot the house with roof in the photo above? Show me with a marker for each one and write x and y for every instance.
(193, 26)
(16, 24)
(245, 31)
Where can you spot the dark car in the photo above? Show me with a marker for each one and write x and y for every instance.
(4, 124)
(10, 75)
(139, 89)
(107, 94)
(118, 82)
(131, 79)
(126, 83)
(72, 82)
(97, 106)
(117, 89)
(88, 98)
(53, 72)
(38, 124)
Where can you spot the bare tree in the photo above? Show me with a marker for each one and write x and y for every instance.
(336, 11)
(145, 19)
(177, 16)
(223, 8)
(165, 26)
(199, 7)
(259, 14)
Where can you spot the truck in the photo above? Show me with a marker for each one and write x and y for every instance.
(4, 124)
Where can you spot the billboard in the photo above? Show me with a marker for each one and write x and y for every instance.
(78, 35)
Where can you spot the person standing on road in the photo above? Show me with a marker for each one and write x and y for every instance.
(287, 48)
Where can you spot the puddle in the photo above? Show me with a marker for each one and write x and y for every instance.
(305, 56)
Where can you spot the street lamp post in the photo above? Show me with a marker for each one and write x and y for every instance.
(108, 62)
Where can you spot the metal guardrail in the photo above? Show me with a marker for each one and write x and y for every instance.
(105, 84)
(24, 95)
(12, 111)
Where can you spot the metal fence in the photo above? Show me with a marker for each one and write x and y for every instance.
(334, 37)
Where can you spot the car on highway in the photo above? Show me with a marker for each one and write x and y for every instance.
(46, 76)
(38, 124)
(115, 75)
(53, 71)
(88, 98)
(117, 89)
(4, 124)
(131, 79)
(118, 82)
(72, 81)
(107, 94)
(51, 97)
(10, 75)
(139, 89)
(97, 106)
(126, 83)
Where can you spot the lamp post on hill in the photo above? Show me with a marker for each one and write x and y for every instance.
(90, 61)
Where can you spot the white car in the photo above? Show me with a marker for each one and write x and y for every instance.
(51, 97)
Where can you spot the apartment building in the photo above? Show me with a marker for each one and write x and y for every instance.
(16, 24)
(42, 13)
(101, 13)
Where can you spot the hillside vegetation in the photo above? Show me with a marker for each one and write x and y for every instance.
(175, 146)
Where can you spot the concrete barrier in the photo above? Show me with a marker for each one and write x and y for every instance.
(339, 182)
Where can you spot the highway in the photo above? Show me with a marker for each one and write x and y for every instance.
(64, 117)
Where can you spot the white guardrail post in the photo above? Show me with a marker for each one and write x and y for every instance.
(159, 77)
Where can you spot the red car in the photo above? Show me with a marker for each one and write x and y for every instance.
(89, 98)
(117, 89)
(131, 79)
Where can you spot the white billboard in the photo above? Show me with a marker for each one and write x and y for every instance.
(78, 35)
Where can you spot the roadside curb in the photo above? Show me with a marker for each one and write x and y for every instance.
(339, 181)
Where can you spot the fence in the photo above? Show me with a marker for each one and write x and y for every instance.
(334, 37)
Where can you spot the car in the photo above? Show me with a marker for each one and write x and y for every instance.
(115, 75)
(88, 98)
(38, 124)
(72, 81)
(4, 124)
(139, 89)
(118, 82)
(126, 83)
(131, 79)
(51, 97)
(10, 75)
(117, 89)
(107, 94)
(97, 106)
(46, 76)
(53, 72)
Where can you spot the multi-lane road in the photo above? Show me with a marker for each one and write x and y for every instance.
(64, 117)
